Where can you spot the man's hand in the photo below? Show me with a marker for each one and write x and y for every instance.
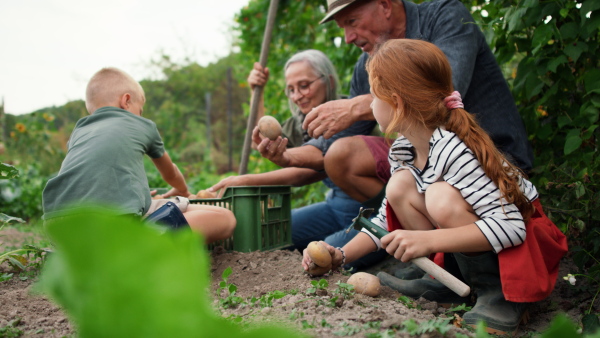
(332, 117)
(231, 181)
(274, 151)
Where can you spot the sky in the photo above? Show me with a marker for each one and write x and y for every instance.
(50, 48)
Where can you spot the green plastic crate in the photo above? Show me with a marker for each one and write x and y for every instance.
(263, 215)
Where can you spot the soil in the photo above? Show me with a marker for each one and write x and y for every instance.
(256, 274)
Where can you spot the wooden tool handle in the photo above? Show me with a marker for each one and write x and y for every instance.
(443, 276)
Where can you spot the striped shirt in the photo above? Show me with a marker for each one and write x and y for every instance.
(450, 160)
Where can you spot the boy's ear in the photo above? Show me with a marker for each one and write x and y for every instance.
(125, 101)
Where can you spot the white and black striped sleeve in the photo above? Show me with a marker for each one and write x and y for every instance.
(451, 160)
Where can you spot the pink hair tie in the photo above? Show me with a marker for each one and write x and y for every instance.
(454, 101)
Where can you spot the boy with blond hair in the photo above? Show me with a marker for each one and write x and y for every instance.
(104, 163)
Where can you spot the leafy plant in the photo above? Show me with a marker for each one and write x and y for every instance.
(116, 277)
(409, 302)
(439, 324)
(231, 300)
(321, 284)
(11, 330)
(344, 289)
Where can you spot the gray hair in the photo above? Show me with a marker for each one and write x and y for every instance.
(322, 66)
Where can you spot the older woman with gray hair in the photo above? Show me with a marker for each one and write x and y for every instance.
(311, 80)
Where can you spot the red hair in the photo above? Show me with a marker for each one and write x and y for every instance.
(418, 73)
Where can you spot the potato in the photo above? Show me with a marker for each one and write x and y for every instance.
(365, 283)
(315, 270)
(205, 194)
(319, 254)
(269, 127)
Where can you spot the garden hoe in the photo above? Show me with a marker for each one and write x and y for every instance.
(453, 283)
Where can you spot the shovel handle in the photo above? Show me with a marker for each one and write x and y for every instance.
(443, 276)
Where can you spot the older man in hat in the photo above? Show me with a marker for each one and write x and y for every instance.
(359, 165)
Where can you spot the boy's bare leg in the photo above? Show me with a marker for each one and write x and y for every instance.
(214, 223)
(351, 166)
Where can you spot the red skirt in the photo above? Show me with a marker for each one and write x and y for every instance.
(528, 271)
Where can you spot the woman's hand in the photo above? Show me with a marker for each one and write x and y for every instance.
(336, 257)
(259, 76)
(274, 151)
(405, 245)
(231, 181)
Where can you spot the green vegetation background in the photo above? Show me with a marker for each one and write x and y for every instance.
(548, 50)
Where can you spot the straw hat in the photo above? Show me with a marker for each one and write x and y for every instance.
(334, 6)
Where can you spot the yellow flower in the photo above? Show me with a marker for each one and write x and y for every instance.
(48, 117)
(21, 127)
(12, 134)
(541, 112)
(514, 73)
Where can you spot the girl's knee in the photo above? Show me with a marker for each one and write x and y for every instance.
(446, 204)
(401, 187)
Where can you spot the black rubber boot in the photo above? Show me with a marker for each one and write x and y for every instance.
(409, 272)
(482, 273)
(426, 287)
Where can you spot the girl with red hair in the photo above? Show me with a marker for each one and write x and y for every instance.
(448, 176)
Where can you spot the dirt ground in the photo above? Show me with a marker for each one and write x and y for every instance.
(257, 274)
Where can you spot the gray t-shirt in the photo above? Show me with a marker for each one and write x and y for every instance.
(104, 164)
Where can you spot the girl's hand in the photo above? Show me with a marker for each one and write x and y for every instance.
(336, 257)
(274, 151)
(405, 245)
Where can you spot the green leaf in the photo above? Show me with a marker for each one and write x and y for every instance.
(569, 31)
(579, 189)
(575, 49)
(226, 273)
(544, 132)
(563, 121)
(117, 277)
(590, 323)
(542, 35)
(589, 132)
(561, 326)
(588, 6)
(515, 17)
(8, 171)
(556, 62)
(592, 81)
(573, 141)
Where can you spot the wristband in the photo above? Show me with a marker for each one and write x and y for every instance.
(343, 256)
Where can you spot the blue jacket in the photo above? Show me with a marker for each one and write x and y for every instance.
(475, 73)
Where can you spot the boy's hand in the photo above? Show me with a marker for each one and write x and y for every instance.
(405, 245)
(274, 151)
(175, 192)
